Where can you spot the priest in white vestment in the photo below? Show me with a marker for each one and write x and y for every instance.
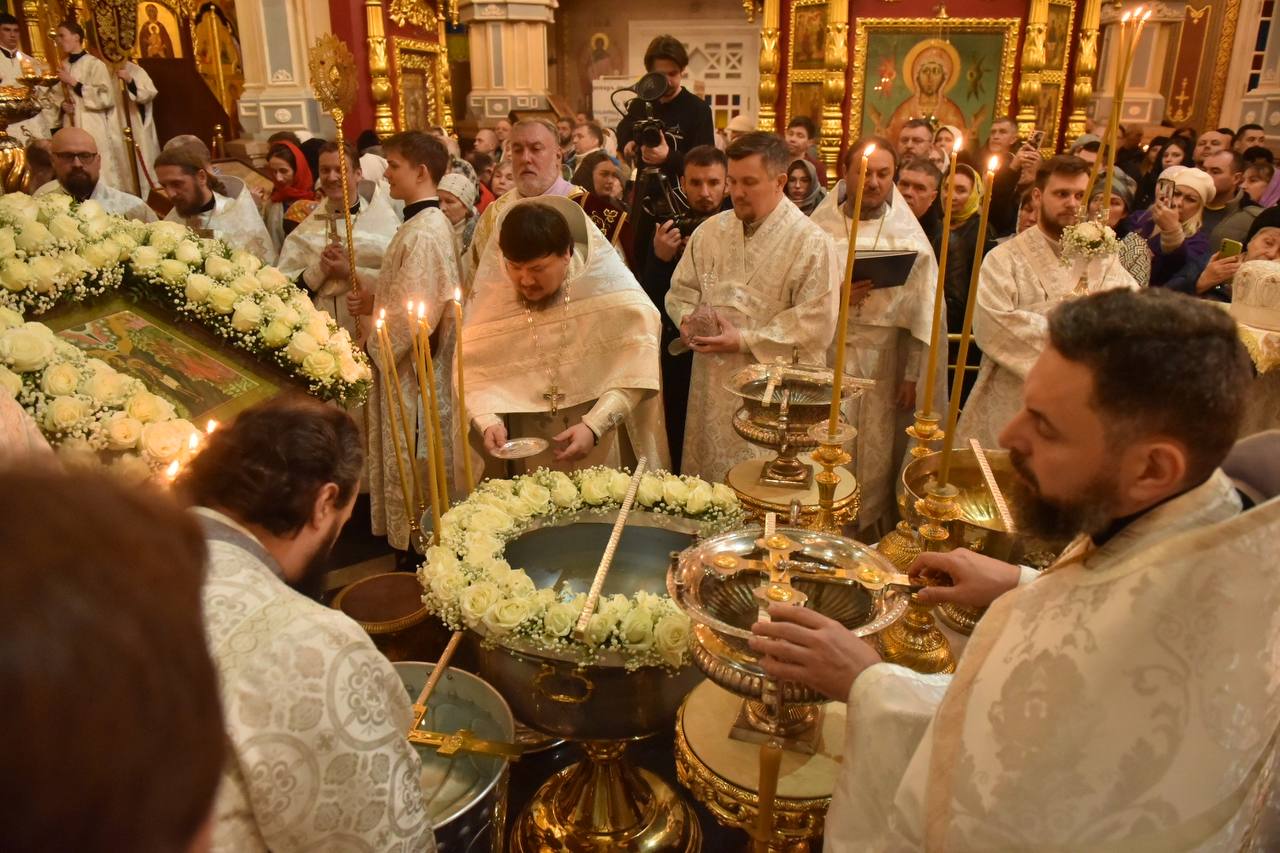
(91, 104)
(535, 155)
(11, 68)
(561, 343)
(141, 91)
(771, 276)
(1126, 699)
(315, 253)
(198, 205)
(420, 267)
(316, 716)
(76, 165)
(1020, 282)
(887, 339)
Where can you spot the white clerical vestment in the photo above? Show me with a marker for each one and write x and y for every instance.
(36, 127)
(236, 222)
(887, 342)
(590, 356)
(141, 91)
(374, 226)
(316, 716)
(1020, 282)
(95, 113)
(779, 284)
(419, 266)
(112, 200)
(1126, 700)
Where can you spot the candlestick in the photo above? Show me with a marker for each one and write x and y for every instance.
(437, 435)
(966, 328)
(463, 421)
(846, 286)
(421, 374)
(388, 370)
(1130, 48)
(938, 301)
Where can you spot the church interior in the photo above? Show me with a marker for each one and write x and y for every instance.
(551, 426)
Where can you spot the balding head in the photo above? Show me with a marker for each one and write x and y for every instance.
(76, 164)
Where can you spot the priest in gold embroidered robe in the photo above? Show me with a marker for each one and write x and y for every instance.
(1021, 280)
(887, 338)
(771, 276)
(1129, 697)
(560, 342)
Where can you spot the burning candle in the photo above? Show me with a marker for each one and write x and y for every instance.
(935, 335)
(420, 372)
(463, 423)
(436, 445)
(966, 327)
(846, 288)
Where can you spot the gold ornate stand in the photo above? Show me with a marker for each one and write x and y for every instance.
(832, 456)
(759, 499)
(722, 773)
(605, 804)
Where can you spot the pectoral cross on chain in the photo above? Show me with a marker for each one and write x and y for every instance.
(553, 396)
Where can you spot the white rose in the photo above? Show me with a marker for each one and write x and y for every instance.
(650, 491)
(289, 314)
(488, 519)
(52, 204)
(60, 379)
(246, 261)
(615, 606)
(198, 287)
(272, 304)
(123, 432)
(164, 441)
(19, 205)
(503, 617)
(245, 285)
(447, 585)
(517, 584)
(636, 629)
(64, 227)
(559, 619)
(318, 327)
(599, 628)
(131, 469)
(247, 316)
(301, 345)
(218, 267)
(536, 497)
(100, 255)
(90, 210)
(619, 482)
(45, 271)
(147, 407)
(563, 492)
(31, 236)
(674, 492)
(441, 558)
(671, 637)
(272, 279)
(7, 244)
(10, 381)
(127, 243)
(63, 413)
(9, 319)
(725, 497)
(107, 387)
(174, 272)
(16, 275)
(595, 488)
(476, 599)
(145, 258)
(481, 545)
(351, 370)
(189, 253)
(700, 499)
(95, 229)
(26, 348)
(320, 365)
(222, 299)
(165, 236)
(277, 333)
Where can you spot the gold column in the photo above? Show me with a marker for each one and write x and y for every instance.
(446, 78)
(767, 120)
(1086, 67)
(836, 61)
(1032, 65)
(379, 82)
(33, 17)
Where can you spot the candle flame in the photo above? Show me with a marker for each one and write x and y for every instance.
(1146, 15)
(422, 310)
(193, 442)
(959, 143)
(382, 313)
(993, 164)
(457, 295)
(377, 324)
(1124, 19)
(210, 426)
(172, 471)
(868, 150)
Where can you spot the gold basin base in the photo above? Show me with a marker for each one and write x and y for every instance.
(797, 731)
(603, 803)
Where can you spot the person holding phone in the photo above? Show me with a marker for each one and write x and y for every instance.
(1213, 277)
(1174, 226)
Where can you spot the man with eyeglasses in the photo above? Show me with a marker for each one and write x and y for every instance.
(76, 169)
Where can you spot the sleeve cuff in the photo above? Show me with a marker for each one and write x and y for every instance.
(483, 422)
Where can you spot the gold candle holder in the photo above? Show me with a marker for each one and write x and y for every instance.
(830, 455)
(924, 432)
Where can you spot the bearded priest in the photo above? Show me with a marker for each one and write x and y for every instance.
(560, 342)
(1128, 697)
(199, 203)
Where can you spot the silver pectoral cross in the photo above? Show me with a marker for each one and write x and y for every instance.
(553, 396)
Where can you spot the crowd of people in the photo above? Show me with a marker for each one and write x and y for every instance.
(612, 282)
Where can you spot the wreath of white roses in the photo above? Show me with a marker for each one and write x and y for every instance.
(467, 582)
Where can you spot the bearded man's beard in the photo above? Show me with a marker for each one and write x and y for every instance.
(79, 184)
(1057, 520)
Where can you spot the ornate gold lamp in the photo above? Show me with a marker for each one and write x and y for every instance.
(18, 103)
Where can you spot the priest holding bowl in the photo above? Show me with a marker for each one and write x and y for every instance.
(560, 348)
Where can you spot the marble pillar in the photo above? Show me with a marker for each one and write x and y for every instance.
(275, 36)
(509, 68)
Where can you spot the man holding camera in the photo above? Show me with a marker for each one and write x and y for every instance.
(703, 183)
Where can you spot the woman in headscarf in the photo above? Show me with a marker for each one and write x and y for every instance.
(946, 136)
(1175, 231)
(293, 195)
(803, 186)
(966, 202)
(1135, 257)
